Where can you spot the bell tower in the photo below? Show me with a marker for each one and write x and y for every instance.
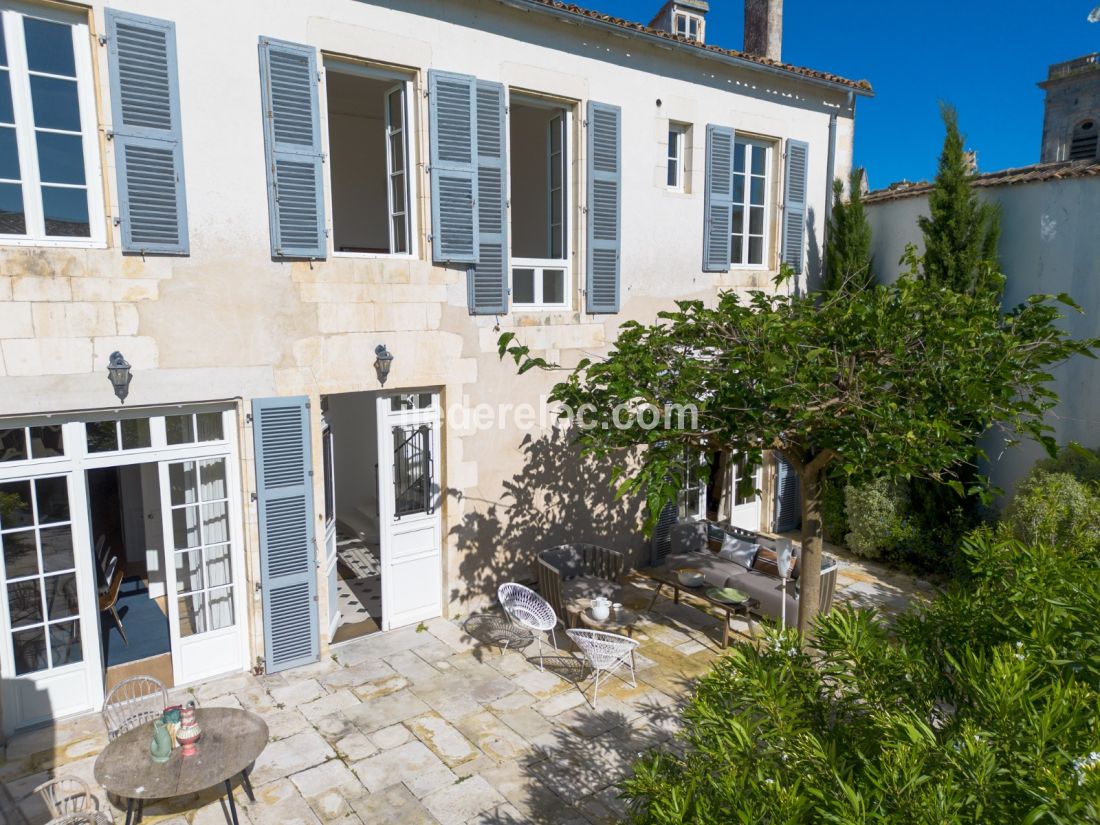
(1071, 119)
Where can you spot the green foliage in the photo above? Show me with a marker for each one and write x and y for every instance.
(1055, 508)
(961, 233)
(1080, 462)
(848, 248)
(834, 519)
(876, 516)
(979, 709)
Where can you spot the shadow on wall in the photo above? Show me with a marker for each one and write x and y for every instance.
(559, 497)
(19, 805)
(815, 273)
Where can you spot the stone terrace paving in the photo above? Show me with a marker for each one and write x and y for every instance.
(432, 725)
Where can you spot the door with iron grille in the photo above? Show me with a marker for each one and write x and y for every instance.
(411, 526)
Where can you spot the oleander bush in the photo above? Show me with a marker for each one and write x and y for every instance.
(876, 517)
(979, 707)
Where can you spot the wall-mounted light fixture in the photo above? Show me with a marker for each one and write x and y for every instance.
(382, 363)
(118, 373)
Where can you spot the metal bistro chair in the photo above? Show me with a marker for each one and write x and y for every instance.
(133, 702)
(108, 600)
(606, 652)
(70, 800)
(530, 611)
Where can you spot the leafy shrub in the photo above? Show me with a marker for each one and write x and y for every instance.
(1080, 462)
(1054, 508)
(834, 520)
(979, 708)
(875, 514)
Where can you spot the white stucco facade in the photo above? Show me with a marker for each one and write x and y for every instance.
(227, 323)
(1049, 245)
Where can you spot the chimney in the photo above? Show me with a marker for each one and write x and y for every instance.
(764, 29)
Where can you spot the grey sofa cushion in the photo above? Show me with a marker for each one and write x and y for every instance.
(768, 592)
(739, 551)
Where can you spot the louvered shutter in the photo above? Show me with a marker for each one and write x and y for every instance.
(148, 143)
(662, 534)
(794, 205)
(605, 199)
(718, 200)
(788, 497)
(292, 149)
(452, 110)
(487, 282)
(284, 494)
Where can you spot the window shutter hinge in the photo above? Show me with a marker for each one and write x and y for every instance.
(254, 497)
(110, 134)
(116, 221)
(102, 39)
(309, 405)
(248, 418)
(320, 76)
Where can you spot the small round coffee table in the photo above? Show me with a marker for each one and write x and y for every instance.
(231, 741)
(617, 621)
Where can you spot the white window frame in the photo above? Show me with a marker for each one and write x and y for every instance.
(677, 138)
(769, 203)
(687, 19)
(565, 263)
(25, 130)
(402, 78)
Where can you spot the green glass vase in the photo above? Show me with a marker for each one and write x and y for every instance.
(161, 746)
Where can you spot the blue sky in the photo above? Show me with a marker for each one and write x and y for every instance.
(985, 56)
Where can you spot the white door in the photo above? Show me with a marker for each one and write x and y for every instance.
(409, 497)
(49, 656)
(330, 530)
(205, 610)
(744, 507)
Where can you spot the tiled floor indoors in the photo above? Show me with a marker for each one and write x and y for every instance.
(432, 725)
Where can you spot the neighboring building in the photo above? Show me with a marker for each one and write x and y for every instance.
(256, 206)
(1071, 119)
(1049, 244)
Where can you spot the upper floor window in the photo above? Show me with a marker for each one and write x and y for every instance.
(1085, 142)
(752, 186)
(688, 25)
(368, 136)
(48, 152)
(540, 159)
(677, 149)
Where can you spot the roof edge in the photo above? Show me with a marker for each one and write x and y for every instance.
(1035, 173)
(703, 50)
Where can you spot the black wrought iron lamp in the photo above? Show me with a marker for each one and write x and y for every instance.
(118, 373)
(383, 360)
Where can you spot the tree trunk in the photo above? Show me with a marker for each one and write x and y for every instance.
(809, 565)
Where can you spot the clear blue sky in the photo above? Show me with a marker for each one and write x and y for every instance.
(985, 56)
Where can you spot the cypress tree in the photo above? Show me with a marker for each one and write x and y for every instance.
(960, 236)
(848, 246)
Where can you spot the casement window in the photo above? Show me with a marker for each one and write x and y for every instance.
(541, 201)
(677, 150)
(369, 152)
(688, 25)
(752, 184)
(49, 154)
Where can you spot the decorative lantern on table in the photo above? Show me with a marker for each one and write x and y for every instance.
(189, 731)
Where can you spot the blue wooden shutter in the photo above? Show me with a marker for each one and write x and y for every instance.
(145, 110)
(284, 493)
(788, 496)
(452, 110)
(662, 534)
(487, 282)
(292, 149)
(605, 199)
(718, 200)
(794, 204)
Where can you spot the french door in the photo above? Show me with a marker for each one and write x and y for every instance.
(744, 507)
(330, 529)
(409, 498)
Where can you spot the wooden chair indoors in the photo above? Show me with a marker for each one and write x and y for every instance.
(109, 599)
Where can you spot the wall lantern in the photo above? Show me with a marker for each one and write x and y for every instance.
(118, 373)
(382, 363)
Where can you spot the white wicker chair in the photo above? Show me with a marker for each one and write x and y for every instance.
(530, 611)
(133, 702)
(606, 652)
(70, 800)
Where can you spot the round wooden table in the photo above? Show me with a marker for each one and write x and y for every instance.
(231, 741)
(617, 621)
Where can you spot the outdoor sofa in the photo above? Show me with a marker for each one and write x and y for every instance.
(696, 544)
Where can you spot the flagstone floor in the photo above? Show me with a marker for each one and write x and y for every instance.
(434, 725)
